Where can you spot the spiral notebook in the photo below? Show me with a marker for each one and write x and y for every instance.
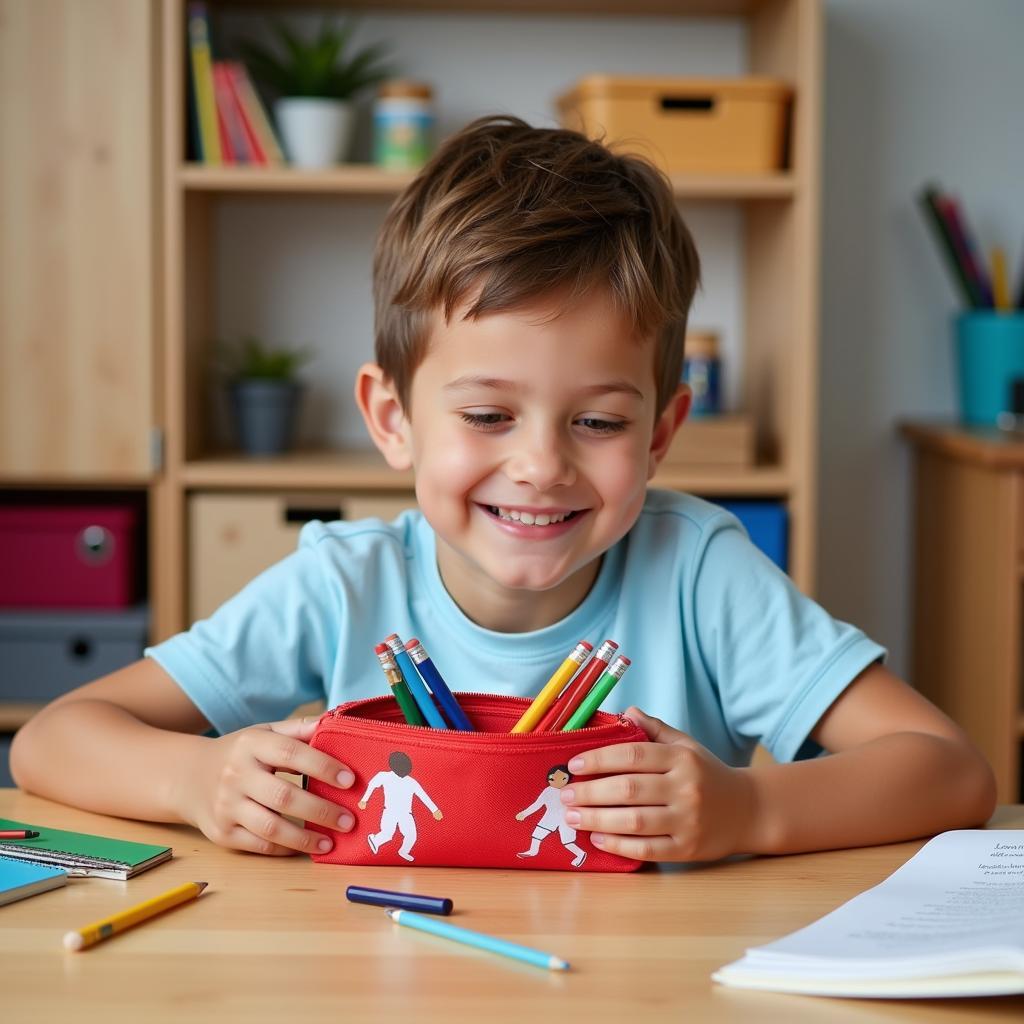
(79, 853)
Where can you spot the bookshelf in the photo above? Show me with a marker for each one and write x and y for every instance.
(777, 218)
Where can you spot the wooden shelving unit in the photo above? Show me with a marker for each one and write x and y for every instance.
(780, 297)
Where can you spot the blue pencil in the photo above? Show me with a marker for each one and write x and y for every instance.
(415, 683)
(478, 939)
(438, 687)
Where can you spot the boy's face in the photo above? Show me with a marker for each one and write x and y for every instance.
(531, 439)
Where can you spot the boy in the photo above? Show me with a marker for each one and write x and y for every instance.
(531, 294)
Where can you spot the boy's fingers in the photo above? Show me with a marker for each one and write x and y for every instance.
(300, 728)
(282, 752)
(282, 795)
(622, 757)
(242, 839)
(617, 791)
(637, 847)
(275, 831)
(631, 821)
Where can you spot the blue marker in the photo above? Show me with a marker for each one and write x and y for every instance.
(438, 687)
(415, 683)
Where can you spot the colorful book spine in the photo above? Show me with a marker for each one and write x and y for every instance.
(236, 149)
(201, 65)
(255, 115)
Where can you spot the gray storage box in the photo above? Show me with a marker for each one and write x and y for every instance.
(45, 654)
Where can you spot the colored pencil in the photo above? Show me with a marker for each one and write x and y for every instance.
(478, 939)
(1000, 279)
(415, 683)
(18, 833)
(399, 690)
(535, 712)
(929, 199)
(125, 919)
(596, 697)
(572, 697)
(438, 687)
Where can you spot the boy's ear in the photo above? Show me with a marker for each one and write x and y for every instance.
(670, 420)
(384, 417)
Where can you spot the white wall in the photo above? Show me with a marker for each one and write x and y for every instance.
(915, 90)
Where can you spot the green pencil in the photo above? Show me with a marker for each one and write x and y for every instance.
(595, 698)
(399, 688)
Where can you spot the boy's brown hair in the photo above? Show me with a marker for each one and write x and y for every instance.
(518, 212)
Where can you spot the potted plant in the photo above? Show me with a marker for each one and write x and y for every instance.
(263, 394)
(316, 83)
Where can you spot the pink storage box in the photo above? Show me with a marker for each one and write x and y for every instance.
(67, 556)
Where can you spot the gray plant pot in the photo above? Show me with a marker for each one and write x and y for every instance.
(265, 412)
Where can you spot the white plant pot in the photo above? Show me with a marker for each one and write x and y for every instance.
(315, 132)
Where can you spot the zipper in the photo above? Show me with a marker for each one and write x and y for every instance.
(487, 703)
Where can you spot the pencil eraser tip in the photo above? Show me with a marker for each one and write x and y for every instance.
(73, 941)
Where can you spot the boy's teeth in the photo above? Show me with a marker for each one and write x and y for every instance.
(528, 518)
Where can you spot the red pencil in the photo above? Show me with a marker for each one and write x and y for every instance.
(18, 833)
(572, 696)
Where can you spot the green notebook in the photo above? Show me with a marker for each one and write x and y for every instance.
(79, 853)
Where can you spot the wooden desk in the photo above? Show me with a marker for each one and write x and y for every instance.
(969, 586)
(276, 940)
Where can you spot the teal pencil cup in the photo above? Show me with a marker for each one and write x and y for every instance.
(989, 358)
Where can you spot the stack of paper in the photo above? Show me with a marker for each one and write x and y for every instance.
(949, 922)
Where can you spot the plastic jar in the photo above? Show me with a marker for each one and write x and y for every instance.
(702, 370)
(403, 125)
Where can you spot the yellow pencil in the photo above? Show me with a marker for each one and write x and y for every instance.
(107, 926)
(535, 712)
(1000, 280)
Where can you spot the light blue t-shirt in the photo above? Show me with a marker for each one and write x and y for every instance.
(723, 645)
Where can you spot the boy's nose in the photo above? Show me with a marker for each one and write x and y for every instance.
(543, 463)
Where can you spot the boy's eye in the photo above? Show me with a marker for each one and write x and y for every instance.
(602, 426)
(484, 420)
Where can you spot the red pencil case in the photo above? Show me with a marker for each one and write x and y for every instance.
(446, 798)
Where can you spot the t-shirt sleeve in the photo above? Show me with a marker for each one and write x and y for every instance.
(261, 654)
(778, 658)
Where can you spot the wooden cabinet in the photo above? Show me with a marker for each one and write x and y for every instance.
(969, 586)
(210, 212)
(80, 188)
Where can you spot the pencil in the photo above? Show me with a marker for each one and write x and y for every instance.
(578, 689)
(18, 833)
(399, 690)
(595, 698)
(438, 687)
(124, 919)
(535, 712)
(415, 683)
(470, 938)
(1000, 279)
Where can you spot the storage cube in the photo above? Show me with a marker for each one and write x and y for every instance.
(689, 125)
(45, 654)
(75, 556)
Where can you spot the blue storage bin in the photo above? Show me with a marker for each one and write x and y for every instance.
(768, 525)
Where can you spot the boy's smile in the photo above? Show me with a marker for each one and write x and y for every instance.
(530, 433)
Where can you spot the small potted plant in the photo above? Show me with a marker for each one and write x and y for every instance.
(263, 393)
(315, 83)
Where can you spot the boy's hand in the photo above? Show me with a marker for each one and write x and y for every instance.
(230, 791)
(669, 799)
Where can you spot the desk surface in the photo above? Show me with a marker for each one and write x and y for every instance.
(275, 939)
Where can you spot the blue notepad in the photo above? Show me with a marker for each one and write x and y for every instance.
(19, 879)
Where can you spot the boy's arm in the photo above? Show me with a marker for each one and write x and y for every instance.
(898, 769)
(127, 745)
(374, 784)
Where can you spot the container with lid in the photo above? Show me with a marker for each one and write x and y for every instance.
(702, 370)
(403, 124)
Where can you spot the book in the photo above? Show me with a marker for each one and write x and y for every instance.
(80, 853)
(263, 141)
(949, 922)
(19, 879)
(201, 78)
(233, 140)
